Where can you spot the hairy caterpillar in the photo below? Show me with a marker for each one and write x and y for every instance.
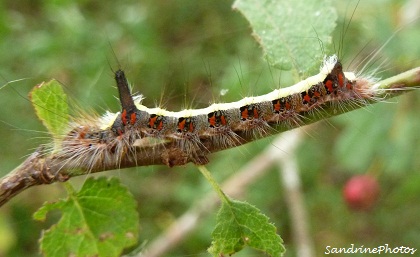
(114, 138)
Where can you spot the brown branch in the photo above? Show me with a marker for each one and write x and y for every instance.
(39, 169)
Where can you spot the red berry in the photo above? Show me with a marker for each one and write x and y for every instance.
(361, 192)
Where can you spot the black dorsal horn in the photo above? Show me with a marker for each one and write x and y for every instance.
(126, 98)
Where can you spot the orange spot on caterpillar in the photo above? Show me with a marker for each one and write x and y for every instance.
(212, 119)
(191, 127)
(288, 106)
(152, 120)
(244, 112)
(255, 113)
(329, 86)
(124, 117)
(160, 125)
(133, 118)
(282, 104)
(82, 134)
(248, 110)
(223, 120)
(306, 98)
(340, 79)
(181, 124)
(185, 125)
(276, 105)
(155, 122)
(216, 119)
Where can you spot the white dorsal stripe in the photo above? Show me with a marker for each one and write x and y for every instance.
(302, 86)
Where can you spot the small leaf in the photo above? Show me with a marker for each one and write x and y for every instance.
(99, 220)
(293, 34)
(240, 224)
(50, 103)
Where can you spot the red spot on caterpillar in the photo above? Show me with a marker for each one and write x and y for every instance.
(244, 112)
(223, 120)
(306, 98)
(340, 77)
(317, 93)
(181, 124)
(216, 119)
(133, 118)
(185, 125)
(248, 110)
(255, 113)
(329, 86)
(276, 105)
(349, 86)
(124, 117)
(82, 134)
(311, 96)
(155, 122)
(152, 121)
(212, 119)
(191, 127)
(282, 104)
(160, 125)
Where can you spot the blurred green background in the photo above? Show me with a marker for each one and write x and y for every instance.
(181, 54)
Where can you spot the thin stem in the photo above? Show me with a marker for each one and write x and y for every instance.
(206, 173)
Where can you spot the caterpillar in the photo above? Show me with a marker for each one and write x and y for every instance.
(189, 134)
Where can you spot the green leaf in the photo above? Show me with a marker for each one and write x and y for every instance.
(99, 220)
(240, 224)
(50, 103)
(294, 33)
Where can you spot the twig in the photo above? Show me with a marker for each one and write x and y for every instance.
(289, 172)
(39, 169)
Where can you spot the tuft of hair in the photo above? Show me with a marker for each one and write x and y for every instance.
(328, 64)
